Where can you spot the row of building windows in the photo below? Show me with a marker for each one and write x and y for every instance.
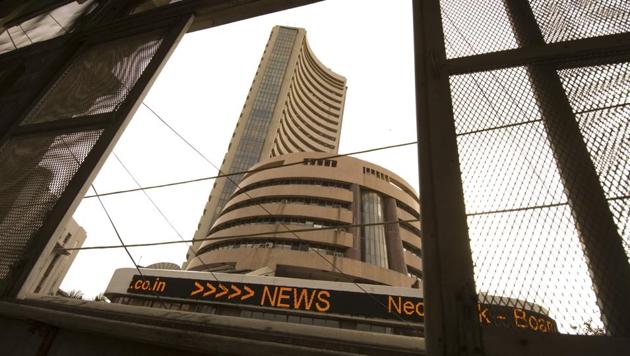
(305, 76)
(408, 209)
(412, 272)
(251, 143)
(284, 220)
(339, 323)
(374, 172)
(412, 249)
(414, 230)
(304, 133)
(294, 181)
(334, 82)
(325, 115)
(298, 111)
(330, 203)
(321, 105)
(317, 136)
(302, 145)
(275, 243)
(320, 162)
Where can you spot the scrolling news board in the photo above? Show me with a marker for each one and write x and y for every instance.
(326, 301)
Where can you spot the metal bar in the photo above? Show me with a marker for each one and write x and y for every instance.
(601, 242)
(451, 325)
(605, 49)
(64, 125)
(208, 13)
(72, 50)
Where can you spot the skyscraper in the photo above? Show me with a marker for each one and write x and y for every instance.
(295, 104)
(296, 235)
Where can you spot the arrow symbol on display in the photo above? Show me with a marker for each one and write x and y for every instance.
(249, 291)
(224, 291)
(237, 292)
(198, 290)
(212, 290)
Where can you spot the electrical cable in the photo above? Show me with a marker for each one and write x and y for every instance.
(111, 221)
(225, 175)
(229, 237)
(188, 181)
(334, 267)
(158, 210)
(123, 244)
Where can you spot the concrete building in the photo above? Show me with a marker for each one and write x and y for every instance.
(59, 259)
(295, 104)
(262, 225)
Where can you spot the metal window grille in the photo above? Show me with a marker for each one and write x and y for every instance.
(34, 172)
(46, 160)
(98, 81)
(527, 160)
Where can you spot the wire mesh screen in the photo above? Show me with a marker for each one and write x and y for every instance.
(544, 157)
(525, 246)
(565, 20)
(98, 81)
(34, 172)
(470, 29)
(600, 99)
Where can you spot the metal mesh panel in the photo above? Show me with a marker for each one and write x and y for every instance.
(565, 20)
(472, 28)
(600, 98)
(34, 172)
(98, 81)
(526, 249)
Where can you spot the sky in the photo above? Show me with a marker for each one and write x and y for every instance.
(201, 92)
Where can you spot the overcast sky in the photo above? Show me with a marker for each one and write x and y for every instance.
(201, 92)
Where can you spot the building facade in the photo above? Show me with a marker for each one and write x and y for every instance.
(295, 104)
(303, 215)
(58, 260)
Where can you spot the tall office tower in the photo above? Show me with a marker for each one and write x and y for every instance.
(295, 104)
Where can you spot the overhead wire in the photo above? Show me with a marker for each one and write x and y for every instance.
(228, 177)
(158, 210)
(230, 237)
(195, 180)
(111, 221)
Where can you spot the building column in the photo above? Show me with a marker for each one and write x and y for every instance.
(355, 251)
(395, 254)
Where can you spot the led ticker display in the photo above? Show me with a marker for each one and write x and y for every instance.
(328, 301)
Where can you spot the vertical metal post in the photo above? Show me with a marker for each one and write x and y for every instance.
(451, 321)
(602, 245)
